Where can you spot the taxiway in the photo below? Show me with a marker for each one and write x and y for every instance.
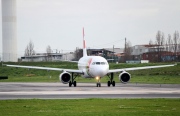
(11, 90)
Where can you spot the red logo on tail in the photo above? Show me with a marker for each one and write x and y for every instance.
(84, 42)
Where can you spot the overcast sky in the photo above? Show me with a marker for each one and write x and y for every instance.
(59, 23)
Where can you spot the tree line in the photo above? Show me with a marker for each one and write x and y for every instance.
(171, 43)
(29, 51)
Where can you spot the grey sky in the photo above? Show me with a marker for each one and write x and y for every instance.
(59, 23)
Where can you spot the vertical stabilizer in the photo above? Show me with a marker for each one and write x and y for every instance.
(84, 45)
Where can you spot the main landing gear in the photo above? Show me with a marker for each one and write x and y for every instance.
(111, 82)
(73, 82)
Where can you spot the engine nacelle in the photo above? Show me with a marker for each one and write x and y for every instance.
(124, 77)
(65, 77)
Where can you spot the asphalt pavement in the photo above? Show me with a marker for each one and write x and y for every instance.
(18, 90)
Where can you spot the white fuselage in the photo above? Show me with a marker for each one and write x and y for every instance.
(93, 66)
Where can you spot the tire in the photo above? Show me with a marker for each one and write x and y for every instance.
(108, 83)
(113, 83)
(74, 83)
(70, 84)
(98, 84)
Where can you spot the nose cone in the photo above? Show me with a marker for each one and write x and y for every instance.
(101, 71)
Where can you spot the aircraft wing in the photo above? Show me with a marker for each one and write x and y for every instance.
(139, 68)
(69, 61)
(46, 68)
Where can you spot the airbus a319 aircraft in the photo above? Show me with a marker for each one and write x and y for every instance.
(92, 67)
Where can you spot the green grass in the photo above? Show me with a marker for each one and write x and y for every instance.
(157, 79)
(166, 75)
(88, 107)
(135, 79)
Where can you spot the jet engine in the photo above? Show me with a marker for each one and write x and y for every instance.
(124, 77)
(65, 77)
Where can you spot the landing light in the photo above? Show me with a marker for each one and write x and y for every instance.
(97, 78)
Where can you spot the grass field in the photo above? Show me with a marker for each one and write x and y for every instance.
(88, 107)
(168, 75)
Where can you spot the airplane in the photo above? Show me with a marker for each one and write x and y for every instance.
(92, 67)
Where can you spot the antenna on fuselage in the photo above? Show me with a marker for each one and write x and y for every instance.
(84, 45)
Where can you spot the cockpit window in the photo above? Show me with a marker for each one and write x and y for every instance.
(103, 63)
(93, 63)
(98, 63)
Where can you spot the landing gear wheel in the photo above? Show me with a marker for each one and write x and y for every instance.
(74, 83)
(70, 84)
(98, 84)
(113, 83)
(108, 83)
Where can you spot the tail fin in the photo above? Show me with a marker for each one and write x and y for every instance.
(84, 45)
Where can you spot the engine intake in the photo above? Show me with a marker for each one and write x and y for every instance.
(124, 77)
(65, 77)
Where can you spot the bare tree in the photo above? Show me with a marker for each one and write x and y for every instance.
(128, 50)
(150, 42)
(158, 38)
(178, 44)
(170, 43)
(166, 46)
(175, 41)
(48, 51)
(29, 50)
(160, 41)
(78, 54)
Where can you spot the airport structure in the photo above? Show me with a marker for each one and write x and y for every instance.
(9, 34)
(51, 57)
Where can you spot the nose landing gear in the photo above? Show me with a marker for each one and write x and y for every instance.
(98, 83)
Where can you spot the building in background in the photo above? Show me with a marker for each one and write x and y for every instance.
(51, 57)
(154, 53)
(111, 54)
(9, 31)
